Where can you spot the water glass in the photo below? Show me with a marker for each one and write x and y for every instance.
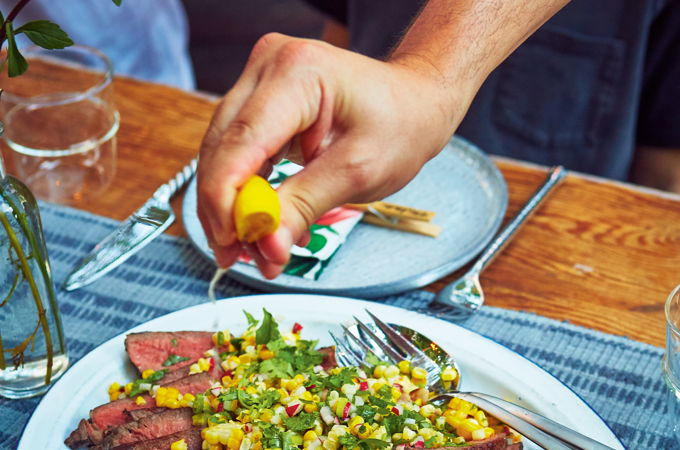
(61, 123)
(671, 360)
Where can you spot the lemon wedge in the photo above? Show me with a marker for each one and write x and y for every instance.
(257, 211)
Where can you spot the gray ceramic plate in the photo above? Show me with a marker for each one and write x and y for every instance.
(461, 185)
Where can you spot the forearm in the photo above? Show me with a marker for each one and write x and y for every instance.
(464, 40)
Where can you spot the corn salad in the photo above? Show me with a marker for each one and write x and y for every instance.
(275, 394)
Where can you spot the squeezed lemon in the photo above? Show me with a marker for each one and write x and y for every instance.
(257, 211)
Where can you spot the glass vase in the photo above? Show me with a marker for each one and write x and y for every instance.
(32, 348)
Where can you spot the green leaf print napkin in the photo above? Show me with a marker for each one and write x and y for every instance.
(327, 234)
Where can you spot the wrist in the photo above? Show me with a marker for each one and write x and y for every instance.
(451, 93)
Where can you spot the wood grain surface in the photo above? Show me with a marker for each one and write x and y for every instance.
(598, 254)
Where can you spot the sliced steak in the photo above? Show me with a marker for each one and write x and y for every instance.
(84, 435)
(329, 362)
(166, 422)
(150, 350)
(136, 414)
(191, 437)
(116, 413)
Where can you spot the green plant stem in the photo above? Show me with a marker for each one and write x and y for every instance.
(42, 263)
(42, 318)
(3, 365)
(10, 17)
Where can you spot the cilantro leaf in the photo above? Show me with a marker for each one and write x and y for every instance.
(370, 444)
(277, 368)
(268, 331)
(302, 422)
(174, 359)
(117, 2)
(45, 34)
(348, 440)
(251, 320)
(345, 376)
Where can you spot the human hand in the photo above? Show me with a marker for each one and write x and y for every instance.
(361, 127)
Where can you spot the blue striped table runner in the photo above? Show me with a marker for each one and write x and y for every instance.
(620, 378)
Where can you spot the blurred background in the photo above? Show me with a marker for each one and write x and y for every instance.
(224, 31)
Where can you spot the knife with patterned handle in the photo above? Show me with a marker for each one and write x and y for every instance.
(154, 217)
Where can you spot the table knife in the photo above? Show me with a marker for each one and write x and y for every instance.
(131, 235)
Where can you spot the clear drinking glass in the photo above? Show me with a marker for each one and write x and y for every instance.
(671, 360)
(61, 123)
(32, 348)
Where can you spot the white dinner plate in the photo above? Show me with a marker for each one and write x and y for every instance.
(486, 366)
(461, 185)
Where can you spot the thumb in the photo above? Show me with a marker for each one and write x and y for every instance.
(322, 185)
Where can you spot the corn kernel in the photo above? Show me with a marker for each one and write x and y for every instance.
(379, 371)
(466, 427)
(245, 359)
(310, 436)
(147, 373)
(194, 368)
(266, 415)
(140, 400)
(203, 364)
(478, 435)
(364, 431)
(449, 374)
(391, 371)
(354, 424)
(404, 367)
(179, 445)
(427, 433)
(427, 410)
(418, 373)
(265, 354)
(310, 407)
(481, 418)
(128, 388)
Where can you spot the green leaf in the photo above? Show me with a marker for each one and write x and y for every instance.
(45, 34)
(251, 320)
(16, 63)
(174, 359)
(268, 331)
(277, 367)
(302, 422)
(370, 444)
(117, 2)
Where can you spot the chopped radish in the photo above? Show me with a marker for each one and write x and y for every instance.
(363, 386)
(293, 409)
(345, 410)
(297, 328)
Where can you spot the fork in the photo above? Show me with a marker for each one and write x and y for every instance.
(461, 298)
(394, 347)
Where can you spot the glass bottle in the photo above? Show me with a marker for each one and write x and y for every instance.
(32, 348)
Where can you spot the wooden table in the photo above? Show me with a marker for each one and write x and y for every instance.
(598, 253)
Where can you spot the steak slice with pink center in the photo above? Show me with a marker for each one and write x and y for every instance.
(191, 437)
(166, 422)
(150, 350)
(114, 413)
